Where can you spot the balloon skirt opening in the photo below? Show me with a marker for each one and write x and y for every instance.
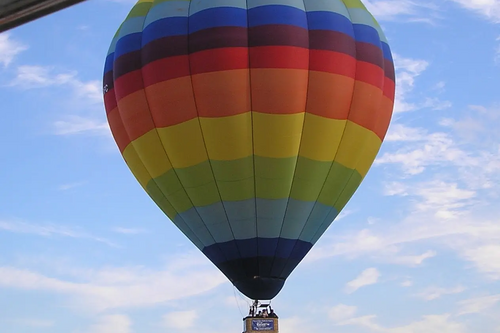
(260, 288)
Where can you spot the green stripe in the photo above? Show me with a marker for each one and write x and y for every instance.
(329, 184)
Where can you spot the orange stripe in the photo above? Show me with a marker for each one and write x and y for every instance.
(172, 102)
(384, 115)
(222, 94)
(370, 73)
(365, 107)
(329, 95)
(135, 113)
(118, 130)
(279, 91)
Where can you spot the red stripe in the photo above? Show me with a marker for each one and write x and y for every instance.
(128, 84)
(389, 88)
(279, 57)
(369, 73)
(110, 100)
(332, 62)
(215, 60)
(165, 69)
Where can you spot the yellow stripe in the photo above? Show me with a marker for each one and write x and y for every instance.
(147, 150)
(321, 137)
(357, 147)
(277, 135)
(184, 143)
(228, 138)
(136, 166)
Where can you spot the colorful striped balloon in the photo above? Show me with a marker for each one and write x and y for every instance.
(250, 123)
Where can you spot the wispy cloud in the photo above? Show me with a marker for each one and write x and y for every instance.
(407, 72)
(128, 231)
(9, 49)
(478, 305)
(342, 312)
(32, 76)
(73, 125)
(411, 11)
(127, 287)
(432, 323)
(433, 293)
(116, 323)
(490, 9)
(367, 277)
(50, 230)
(69, 186)
(179, 320)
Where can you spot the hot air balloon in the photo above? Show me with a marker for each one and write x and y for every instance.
(250, 123)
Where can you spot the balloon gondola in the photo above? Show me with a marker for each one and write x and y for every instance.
(250, 123)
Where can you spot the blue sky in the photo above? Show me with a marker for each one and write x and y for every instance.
(84, 250)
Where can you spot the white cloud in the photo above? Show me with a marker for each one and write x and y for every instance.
(128, 231)
(399, 132)
(473, 237)
(49, 230)
(180, 320)
(433, 293)
(486, 258)
(127, 287)
(428, 324)
(407, 283)
(409, 10)
(73, 125)
(367, 277)
(407, 72)
(341, 312)
(478, 305)
(488, 8)
(408, 260)
(9, 49)
(30, 322)
(112, 323)
(29, 77)
(69, 186)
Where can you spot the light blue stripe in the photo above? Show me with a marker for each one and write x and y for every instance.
(303, 220)
(296, 217)
(332, 215)
(270, 215)
(319, 215)
(167, 9)
(132, 26)
(241, 215)
(198, 6)
(334, 6)
(361, 16)
(216, 221)
(196, 224)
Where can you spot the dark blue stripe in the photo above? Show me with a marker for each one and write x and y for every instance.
(387, 51)
(170, 26)
(330, 21)
(108, 65)
(257, 247)
(218, 17)
(367, 34)
(276, 14)
(128, 43)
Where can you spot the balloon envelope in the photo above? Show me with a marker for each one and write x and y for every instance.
(250, 123)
